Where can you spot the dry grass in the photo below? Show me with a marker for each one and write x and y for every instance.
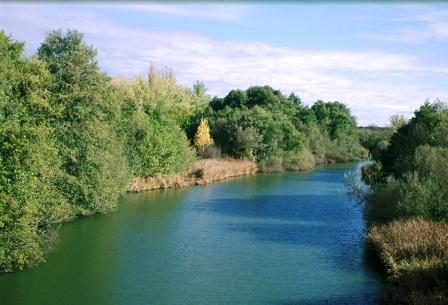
(411, 245)
(200, 172)
(210, 170)
(415, 253)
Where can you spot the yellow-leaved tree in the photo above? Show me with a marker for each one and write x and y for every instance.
(202, 139)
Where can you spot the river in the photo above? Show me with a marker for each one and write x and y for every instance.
(286, 239)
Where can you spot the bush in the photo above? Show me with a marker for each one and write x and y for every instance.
(410, 245)
(423, 129)
(422, 193)
(272, 164)
(303, 160)
(159, 148)
(92, 161)
(210, 152)
(410, 196)
(415, 254)
(30, 202)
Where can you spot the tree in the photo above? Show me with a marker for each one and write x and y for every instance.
(199, 88)
(334, 118)
(423, 128)
(30, 204)
(397, 121)
(202, 138)
(235, 98)
(263, 96)
(92, 156)
(294, 98)
(155, 147)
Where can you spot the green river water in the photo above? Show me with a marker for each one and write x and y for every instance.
(293, 238)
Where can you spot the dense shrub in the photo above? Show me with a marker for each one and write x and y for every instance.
(409, 196)
(30, 203)
(152, 113)
(415, 254)
(71, 137)
(91, 154)
(425, 128)
(278, 131)
(302, 160)
(158, 148)
(375, 139)
(408, 184)
(272, 164)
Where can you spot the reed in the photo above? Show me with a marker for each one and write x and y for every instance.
(415, 254)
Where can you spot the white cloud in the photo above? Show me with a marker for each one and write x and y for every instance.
(374, 84)
(428, 24)
(220, 12)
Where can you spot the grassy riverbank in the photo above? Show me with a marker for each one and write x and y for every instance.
(407, 208)
(200, 172)
(415, 254)
(72, 138)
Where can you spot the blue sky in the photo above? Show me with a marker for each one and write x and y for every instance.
(380, 60)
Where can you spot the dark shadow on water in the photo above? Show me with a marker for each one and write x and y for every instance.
(339, 245)
(360, 300)
(332, 223)
(327, 209)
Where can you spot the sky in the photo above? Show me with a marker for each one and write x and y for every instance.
(380, 60)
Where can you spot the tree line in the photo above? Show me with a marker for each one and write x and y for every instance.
(72, 137)
(407, 205)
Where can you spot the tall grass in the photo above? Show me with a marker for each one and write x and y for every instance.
(415, 253)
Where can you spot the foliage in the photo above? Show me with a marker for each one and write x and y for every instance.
(262, 124)
(396, 122)
(202, 139)
(72, 137)
(408, 192)
(152, 112)
(91, 155)
(163, 96)
(416, 258)
(29, 200)
(412, 178)
(375, 139)
(334, 118)
(424, 128)
(409, 196)
(158, 147)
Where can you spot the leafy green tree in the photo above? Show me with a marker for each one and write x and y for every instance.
(412, 172)
(396, 122)
(263, 96)
(150, 126)
(423, 128)
(91, 154)
(160, 148)
(334, 118)
(375, 139)
(295, 99)
(30, 204)
(236, 98)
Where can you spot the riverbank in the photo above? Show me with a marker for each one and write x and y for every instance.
(233, 234)
(201, 172)
(415, 255)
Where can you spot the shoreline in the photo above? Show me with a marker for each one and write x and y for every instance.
(201, 172)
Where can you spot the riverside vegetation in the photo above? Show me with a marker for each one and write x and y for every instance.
(73, 138)
(407, 205)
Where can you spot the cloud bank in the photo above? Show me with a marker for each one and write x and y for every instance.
(374, 84)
